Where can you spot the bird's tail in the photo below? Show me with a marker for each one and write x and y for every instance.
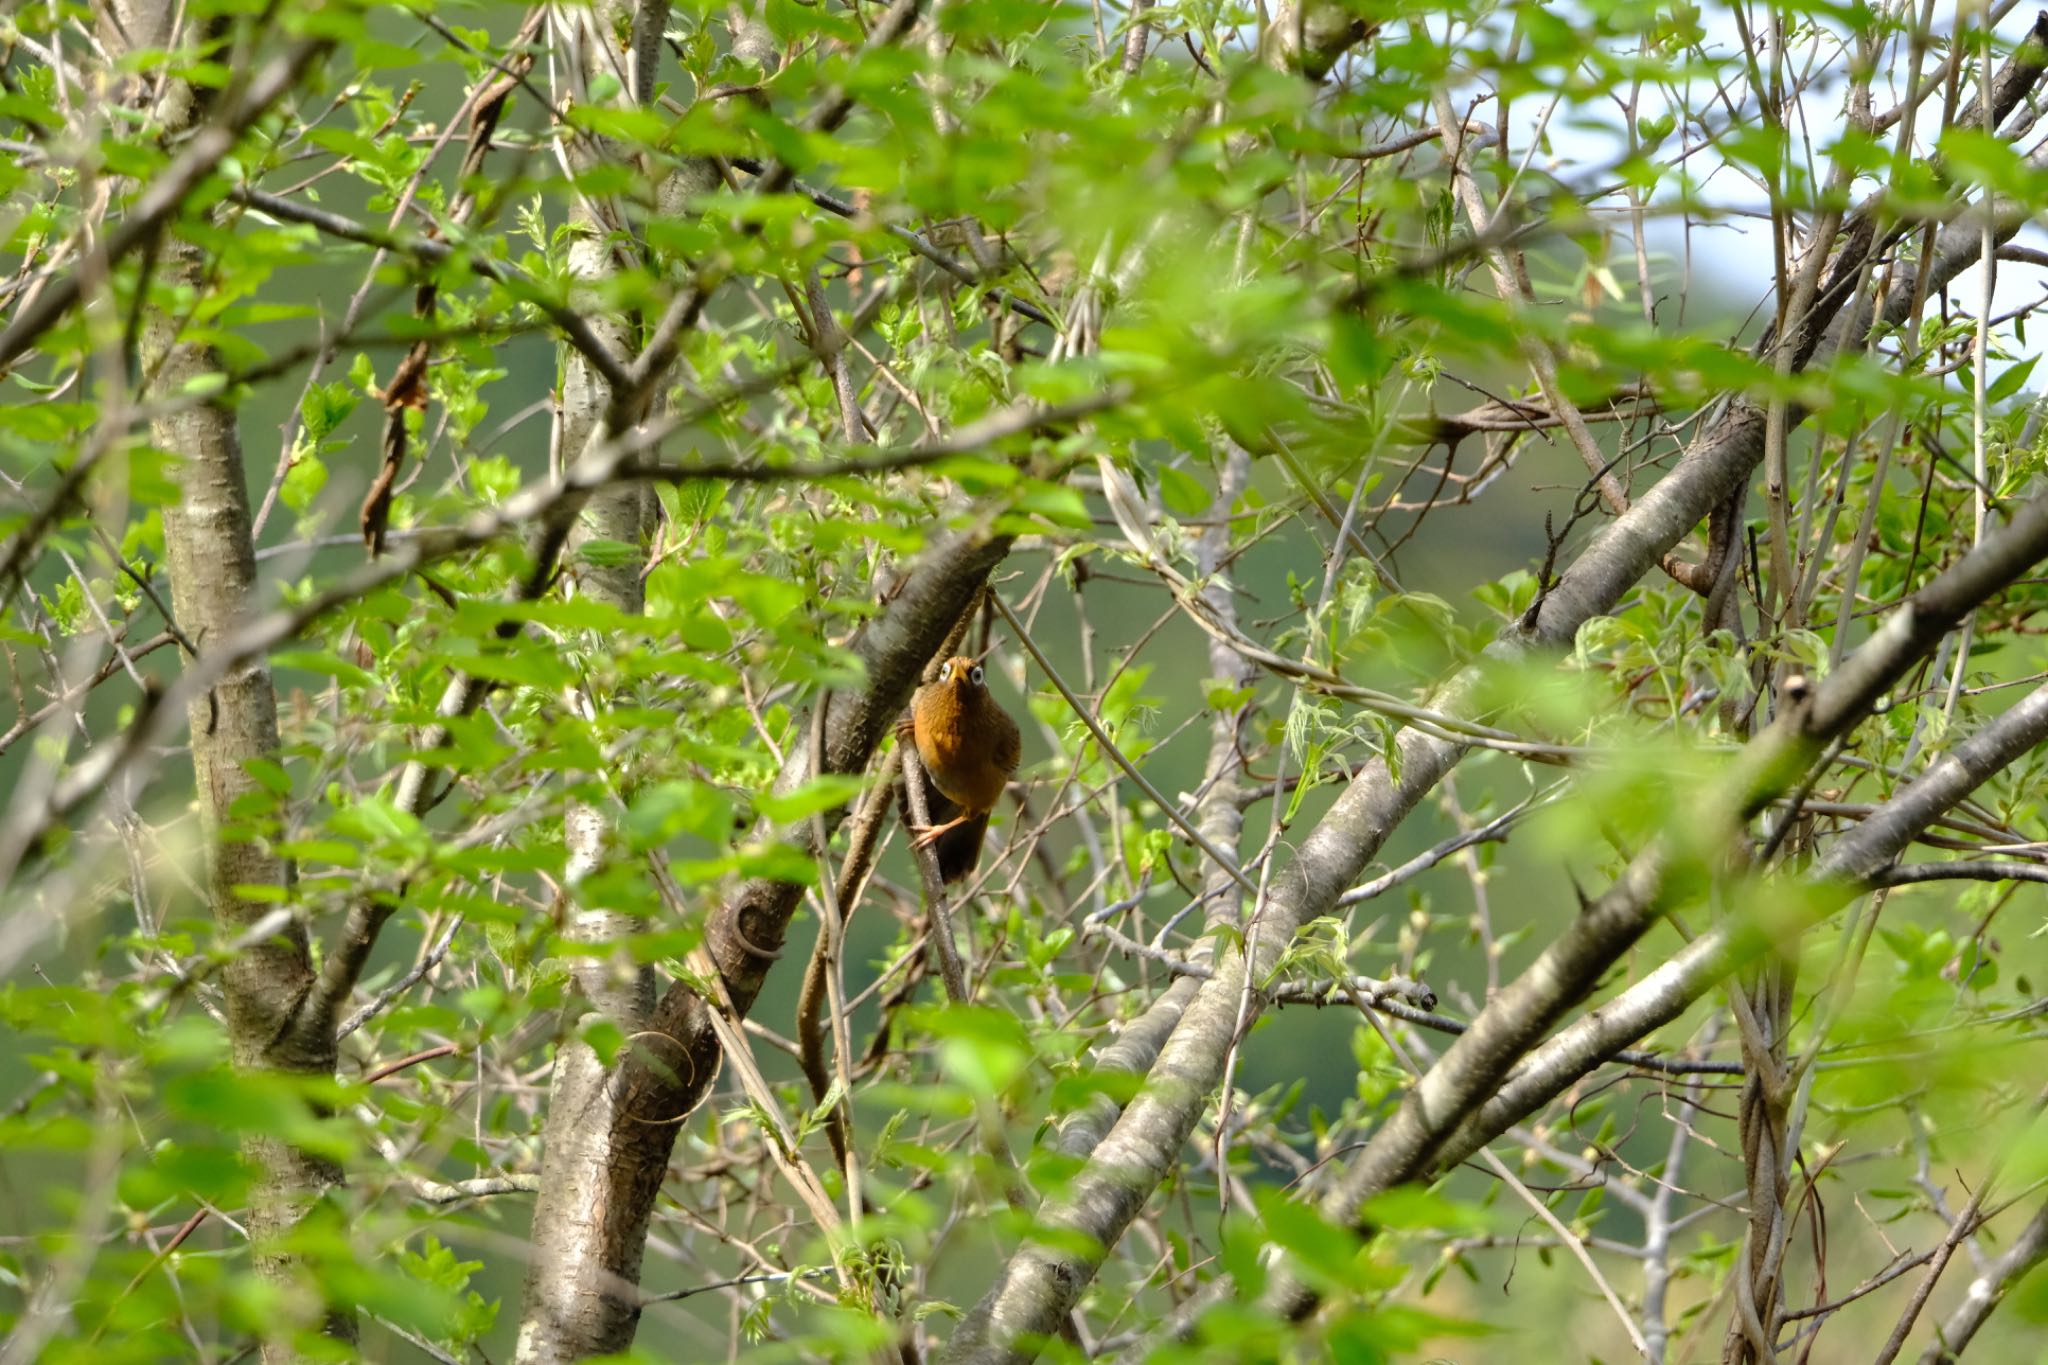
(959, 848)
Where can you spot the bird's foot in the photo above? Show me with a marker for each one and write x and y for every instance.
(928, 835)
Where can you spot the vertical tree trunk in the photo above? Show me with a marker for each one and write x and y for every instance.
(571, 1216)
(213, 579)
(212, 563)
(569, 1313)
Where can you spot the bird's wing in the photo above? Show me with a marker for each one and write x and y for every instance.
(1009, 751)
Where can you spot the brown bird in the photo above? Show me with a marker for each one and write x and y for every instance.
(969, 747)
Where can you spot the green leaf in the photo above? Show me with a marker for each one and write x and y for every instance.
(303, 482)
(1183, 493)
(609, 554)
(270, 774)
(329, 665)
(2010, 381)
(820, 793)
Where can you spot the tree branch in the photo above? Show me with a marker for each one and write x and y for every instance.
(1988, 1290)
(1665, 993)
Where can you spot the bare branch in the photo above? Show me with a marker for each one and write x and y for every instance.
(1988, 1290)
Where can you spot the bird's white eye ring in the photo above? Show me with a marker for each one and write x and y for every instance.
(945, 672)
(974, 675)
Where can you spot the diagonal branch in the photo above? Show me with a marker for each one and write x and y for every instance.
(1988, 1290)
(1473, 1070)
(574, 326)
(1849, 868)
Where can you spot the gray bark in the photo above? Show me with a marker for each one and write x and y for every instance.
(1988, 1290)
(213, 577)
(569, 1217)
(1219, 816)
(576, 1150)
(211, 558)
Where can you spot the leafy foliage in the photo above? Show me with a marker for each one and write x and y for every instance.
(1297, 355)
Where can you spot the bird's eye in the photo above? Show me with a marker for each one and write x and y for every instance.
(974, 675)
(945, 672)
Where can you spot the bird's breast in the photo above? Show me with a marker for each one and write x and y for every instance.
(956, 745)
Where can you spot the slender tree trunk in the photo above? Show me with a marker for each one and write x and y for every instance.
(213, 582)
(212, 562)
(574, 1214)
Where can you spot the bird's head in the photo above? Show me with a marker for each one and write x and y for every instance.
(962, 674)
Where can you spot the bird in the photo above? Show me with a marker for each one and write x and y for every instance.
(970, 748)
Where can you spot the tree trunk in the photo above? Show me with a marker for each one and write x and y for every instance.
(574, 1215)
(211, 557)
(213, 584)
